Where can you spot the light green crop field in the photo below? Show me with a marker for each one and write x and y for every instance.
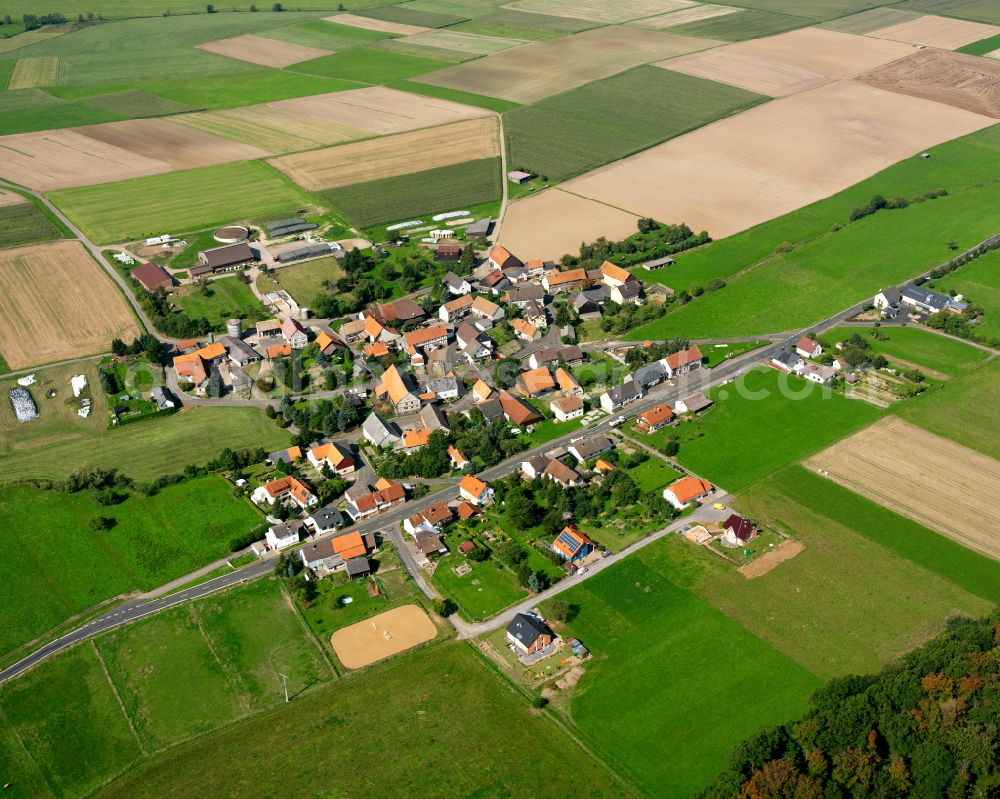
(187, 200)
(916, 345)
(25, 223)
(303, 281)
(512, 24)
(325, 35)
(208, 663)
(446, 188)
(368, 66)
(671, 669)
(407, 15)
(872, 20)
(981, 47)
(155, 539)
(572, 132)
(492, 103)
(117, 9)
(143, 451)
(966, 409)
(822, 9)
(979, 283)
(742, 26)
(63, 728)
(761, 422)
(459, 711)
(34, 109)
(230, 298)
(136, 103)
(978, 10)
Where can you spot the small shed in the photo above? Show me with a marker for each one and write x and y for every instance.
(518, 176)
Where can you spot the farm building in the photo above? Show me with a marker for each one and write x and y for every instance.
(448, 252)
(657, 263)
(481, 227)
(152, 277)
(519, 176)
(301, 253)
(223, 259)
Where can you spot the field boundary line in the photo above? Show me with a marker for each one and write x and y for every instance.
(27, 753)
(231, 674)
(308, 630)
(118, 698)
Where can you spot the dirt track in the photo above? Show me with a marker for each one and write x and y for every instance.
(382, 636)
(940, 484)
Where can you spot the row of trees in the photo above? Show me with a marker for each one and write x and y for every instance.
(653, 240)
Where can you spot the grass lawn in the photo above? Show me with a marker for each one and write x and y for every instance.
(916, 345)
(572, 132)
(26, 223)
(230, 298)
(979, 282)
(368, 66)
(718, 353)
(142, 451)
(303, 281)
(65, 715)
(155, 539)
(763, 421)
(186, 200)
(488, 588)
(446, 188)
(550, 428)
(670, 668)
(204, 664)
(653, 474)
(955, 166)
(966, 409)
(457, 711)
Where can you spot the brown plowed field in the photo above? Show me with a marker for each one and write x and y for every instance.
(60, 159)
(382, 636)
(526, 74)
(11, 198)
(376, 24)
(258, 50)
(933, 31)
(56, 303)
(956, 79)
(790, 62)
(762, 564)
(387, 156)
(934, 481)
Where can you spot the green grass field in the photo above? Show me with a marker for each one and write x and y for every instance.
(117, 9)
(671, 669)
(979, 282)
(325, 35)
(479, 100)
(458, 714)
(742, 26)
(303, 281)
(208, 663)
(34, 109)
(978, 10)
(916, 345)
(653, 474)
(572, 132)
(811, 270)
(981, 47)
(872, 20)
(964, 410)
(142, 451)
(136, 103)
(26, 223)
(761, 422)
(822, 9)
(368, 66)
(487, 589)
(230, 298)
(446, 188)
(512, 24)
(188, 200)
(70, 732)
(155, 539)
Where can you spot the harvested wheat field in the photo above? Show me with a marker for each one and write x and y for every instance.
(381, 25)
(31, 72)
(959, 80)
(467, 43)
(385, 157)
(11, 198)
(600, 10)
(382, 636)
(266, 52)
(529, 73)
(762, 564)
(930, 479)
(806, 147)
(555, 222)
(84, 156)
(48, 297)
(932, 31)
(790, 62)
(685, 15)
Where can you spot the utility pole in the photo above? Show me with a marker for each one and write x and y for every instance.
(284, 683)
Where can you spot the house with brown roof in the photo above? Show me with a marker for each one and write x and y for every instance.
(457, 458)
(652, 420)
(535, 382)
(285, 488)
(612, 275)
(808, 348)
(485, 313)
(427, 338)
(681, 493)
(474, 490)
(482, 391)
(560, 473)
(223, 259)
(152, 277)
(432, 518)
(568, 280)
(501, 258)
(517, 411)
(329, 344)
(332, 455)
(466, 510)
(738, 531)
(494, 282)
(294, 334)
(353, 331)
(683, 361)
(568, 383)
(397, 387)
(572, 544)
(693, 404)
(282, 350)
(456, 309)
(567, 408)
(365, 501)
(525, 330)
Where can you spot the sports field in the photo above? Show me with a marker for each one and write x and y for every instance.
(389, 156)
(44, 314)
(914, 345)
(979, 283)
(530, 73)
(446, 188)
(921, 476)
(142, 451)
(188, 200)
(22, 222)
(572, 132)
(383, 636)
(461, 708)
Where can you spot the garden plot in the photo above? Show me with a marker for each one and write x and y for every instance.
(259, 50)
(385, 157)
(930, 479)
(695, 13)
(381, 25)
(527, 74)
(807, 146)
(31, 72)
(963, 81)
(59, 159)
(790, 62)
(48, 293)
(600, 10)
(933, 31)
